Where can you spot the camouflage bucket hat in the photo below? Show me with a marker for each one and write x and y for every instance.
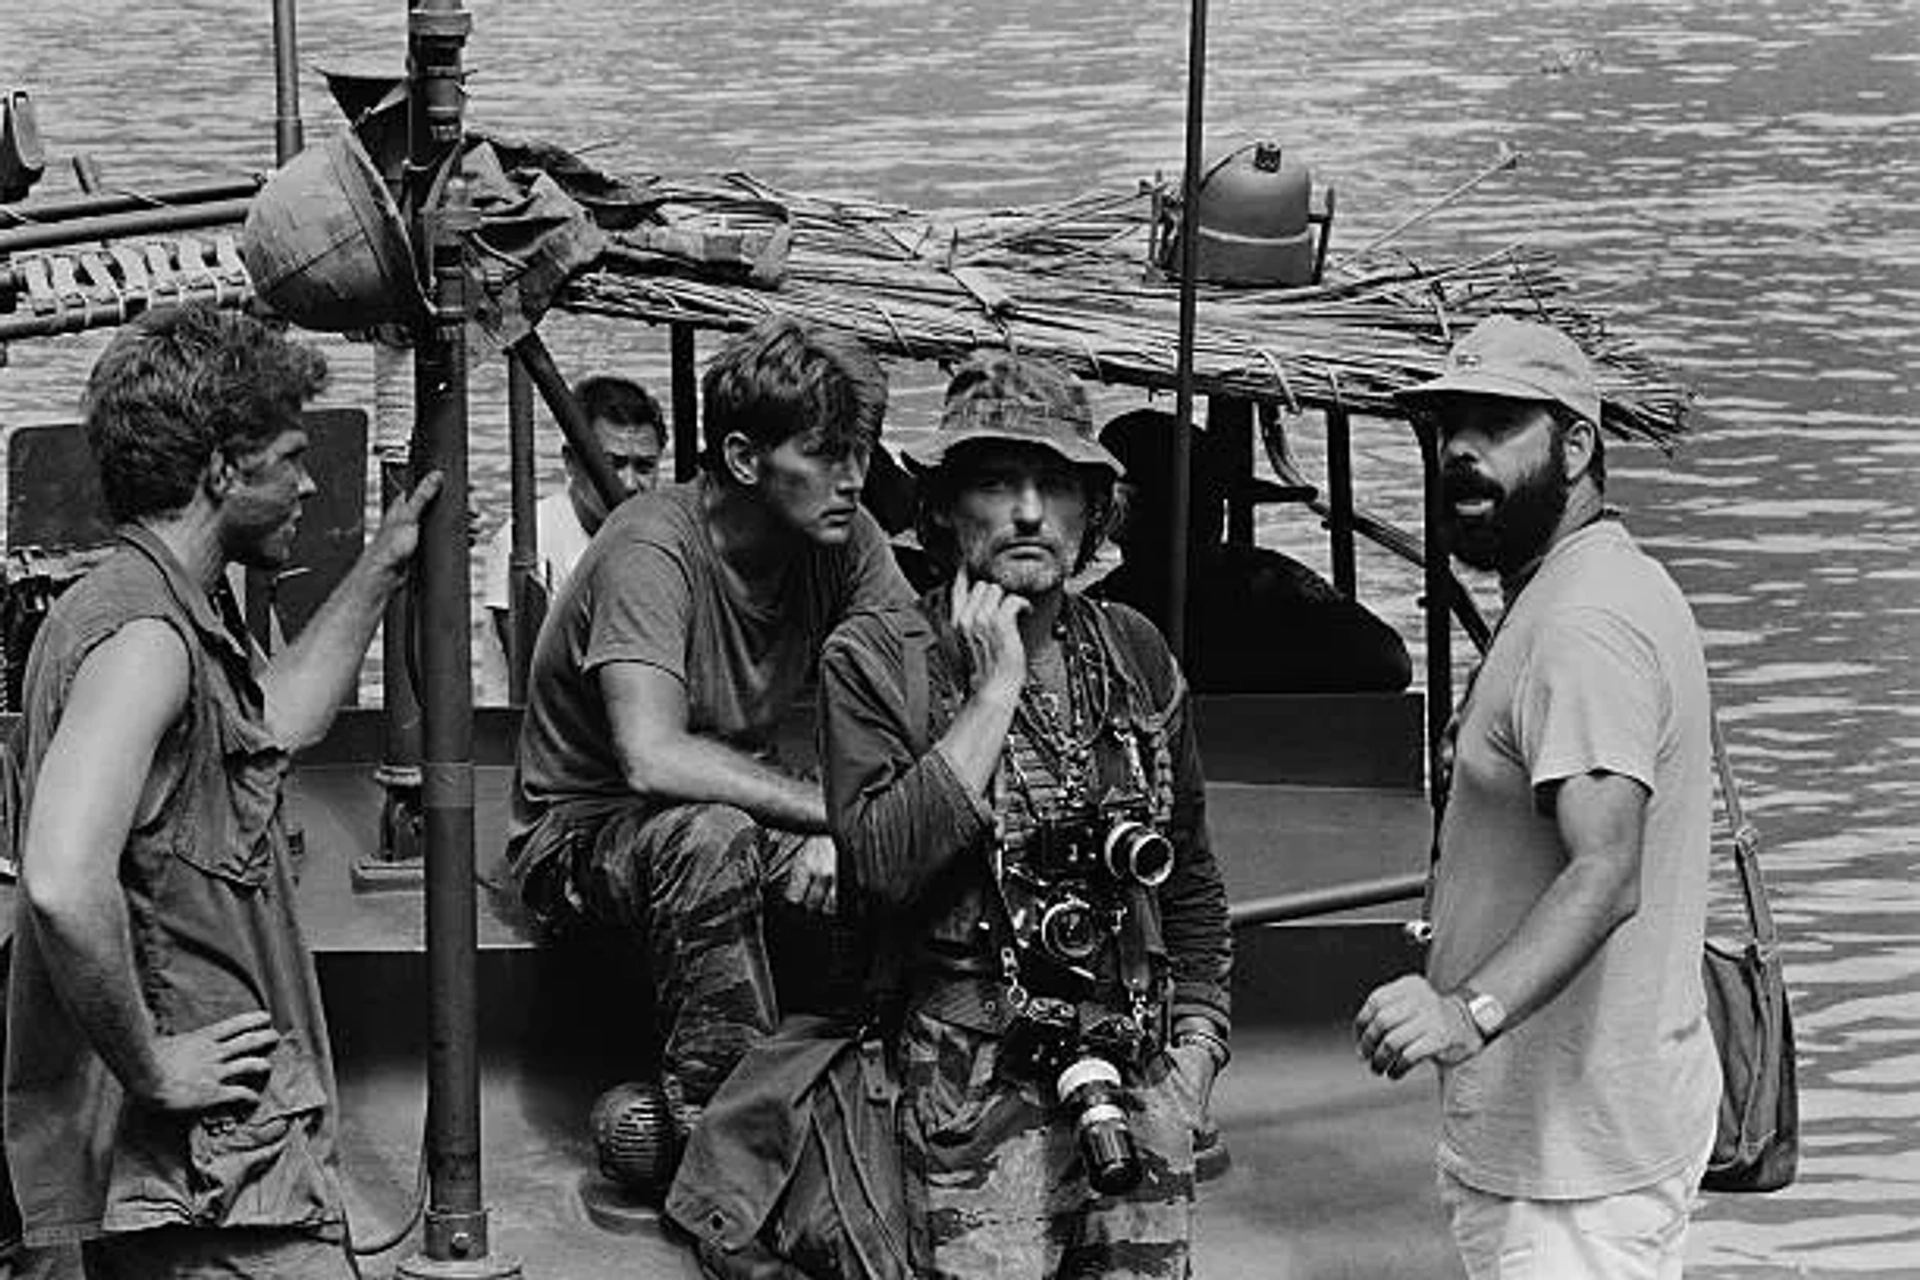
(1021, 400)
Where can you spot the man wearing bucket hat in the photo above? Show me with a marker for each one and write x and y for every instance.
(170, 1100)
(1562, 1000)
(648, 791)
(1013, 780)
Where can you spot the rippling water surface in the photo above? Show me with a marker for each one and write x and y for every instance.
(1734, 182)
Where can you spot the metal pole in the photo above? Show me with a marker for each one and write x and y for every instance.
(1438, 598)
(1340, 498)
(261, 587)
(455, 1241)
(1326, 901)
(44, 212)
(456, 1224)
(1230, 429)
(686, 402)
(531, 351)
(1183, 374)
(288, 138)
(398, 772)
(115, 226)
(524, 561)
(399, 859)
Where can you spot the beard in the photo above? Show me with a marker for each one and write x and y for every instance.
(1515, 531)
(261, 535)
(1027, 575)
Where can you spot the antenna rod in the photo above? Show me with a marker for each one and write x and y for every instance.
(288, 138)
(439, 199)
(1183, 372)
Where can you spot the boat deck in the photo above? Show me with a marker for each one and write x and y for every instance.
(1331, 1169)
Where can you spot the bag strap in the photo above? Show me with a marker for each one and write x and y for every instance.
(1746, 847)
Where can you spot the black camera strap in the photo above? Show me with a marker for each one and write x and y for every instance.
(1140, 942)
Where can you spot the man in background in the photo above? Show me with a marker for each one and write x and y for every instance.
(1257, 621)
(632, 434)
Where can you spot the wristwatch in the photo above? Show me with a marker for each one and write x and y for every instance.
(1486, 1012)
(1207, 1038)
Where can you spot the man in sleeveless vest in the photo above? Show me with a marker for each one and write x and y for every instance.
(1013, 780)
(1562, 1000)
(170, 1101)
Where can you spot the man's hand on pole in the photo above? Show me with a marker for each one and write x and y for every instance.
(394, 543)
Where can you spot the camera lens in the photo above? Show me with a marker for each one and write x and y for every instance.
(1067, 929)
(1090, 1088)
(1135, 851)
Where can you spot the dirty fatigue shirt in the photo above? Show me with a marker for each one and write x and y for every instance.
(913, 847)
(209, 890)
(1613, 1084)
(652, 589)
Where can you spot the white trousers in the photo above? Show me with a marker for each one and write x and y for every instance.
(1636, 1235)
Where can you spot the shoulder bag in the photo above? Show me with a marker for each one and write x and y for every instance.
(1756, 1146)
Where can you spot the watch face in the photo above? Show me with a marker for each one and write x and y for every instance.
(1487, 1012)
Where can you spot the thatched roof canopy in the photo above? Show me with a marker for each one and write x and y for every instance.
(1072, 281)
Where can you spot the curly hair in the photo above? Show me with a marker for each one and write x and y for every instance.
(178, 385)
(782, 379)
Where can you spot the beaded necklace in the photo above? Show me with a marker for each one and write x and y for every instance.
(1059, 733)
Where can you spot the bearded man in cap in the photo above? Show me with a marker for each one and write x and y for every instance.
(1013, 781)
(1562, 1001)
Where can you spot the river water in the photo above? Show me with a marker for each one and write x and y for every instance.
(1733, 182)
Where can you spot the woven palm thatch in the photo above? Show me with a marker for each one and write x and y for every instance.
(1072, 281)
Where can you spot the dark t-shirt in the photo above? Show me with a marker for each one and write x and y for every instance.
(651, 588)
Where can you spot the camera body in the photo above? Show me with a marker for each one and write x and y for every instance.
(1117, 842)
(1070, 892)
(1079, 898)
(1047, 1040)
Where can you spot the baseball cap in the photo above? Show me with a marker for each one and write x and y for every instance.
(1018, 399)
(1517, 359)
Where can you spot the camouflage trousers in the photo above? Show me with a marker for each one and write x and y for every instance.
(700, 884)
(1000, 1188)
